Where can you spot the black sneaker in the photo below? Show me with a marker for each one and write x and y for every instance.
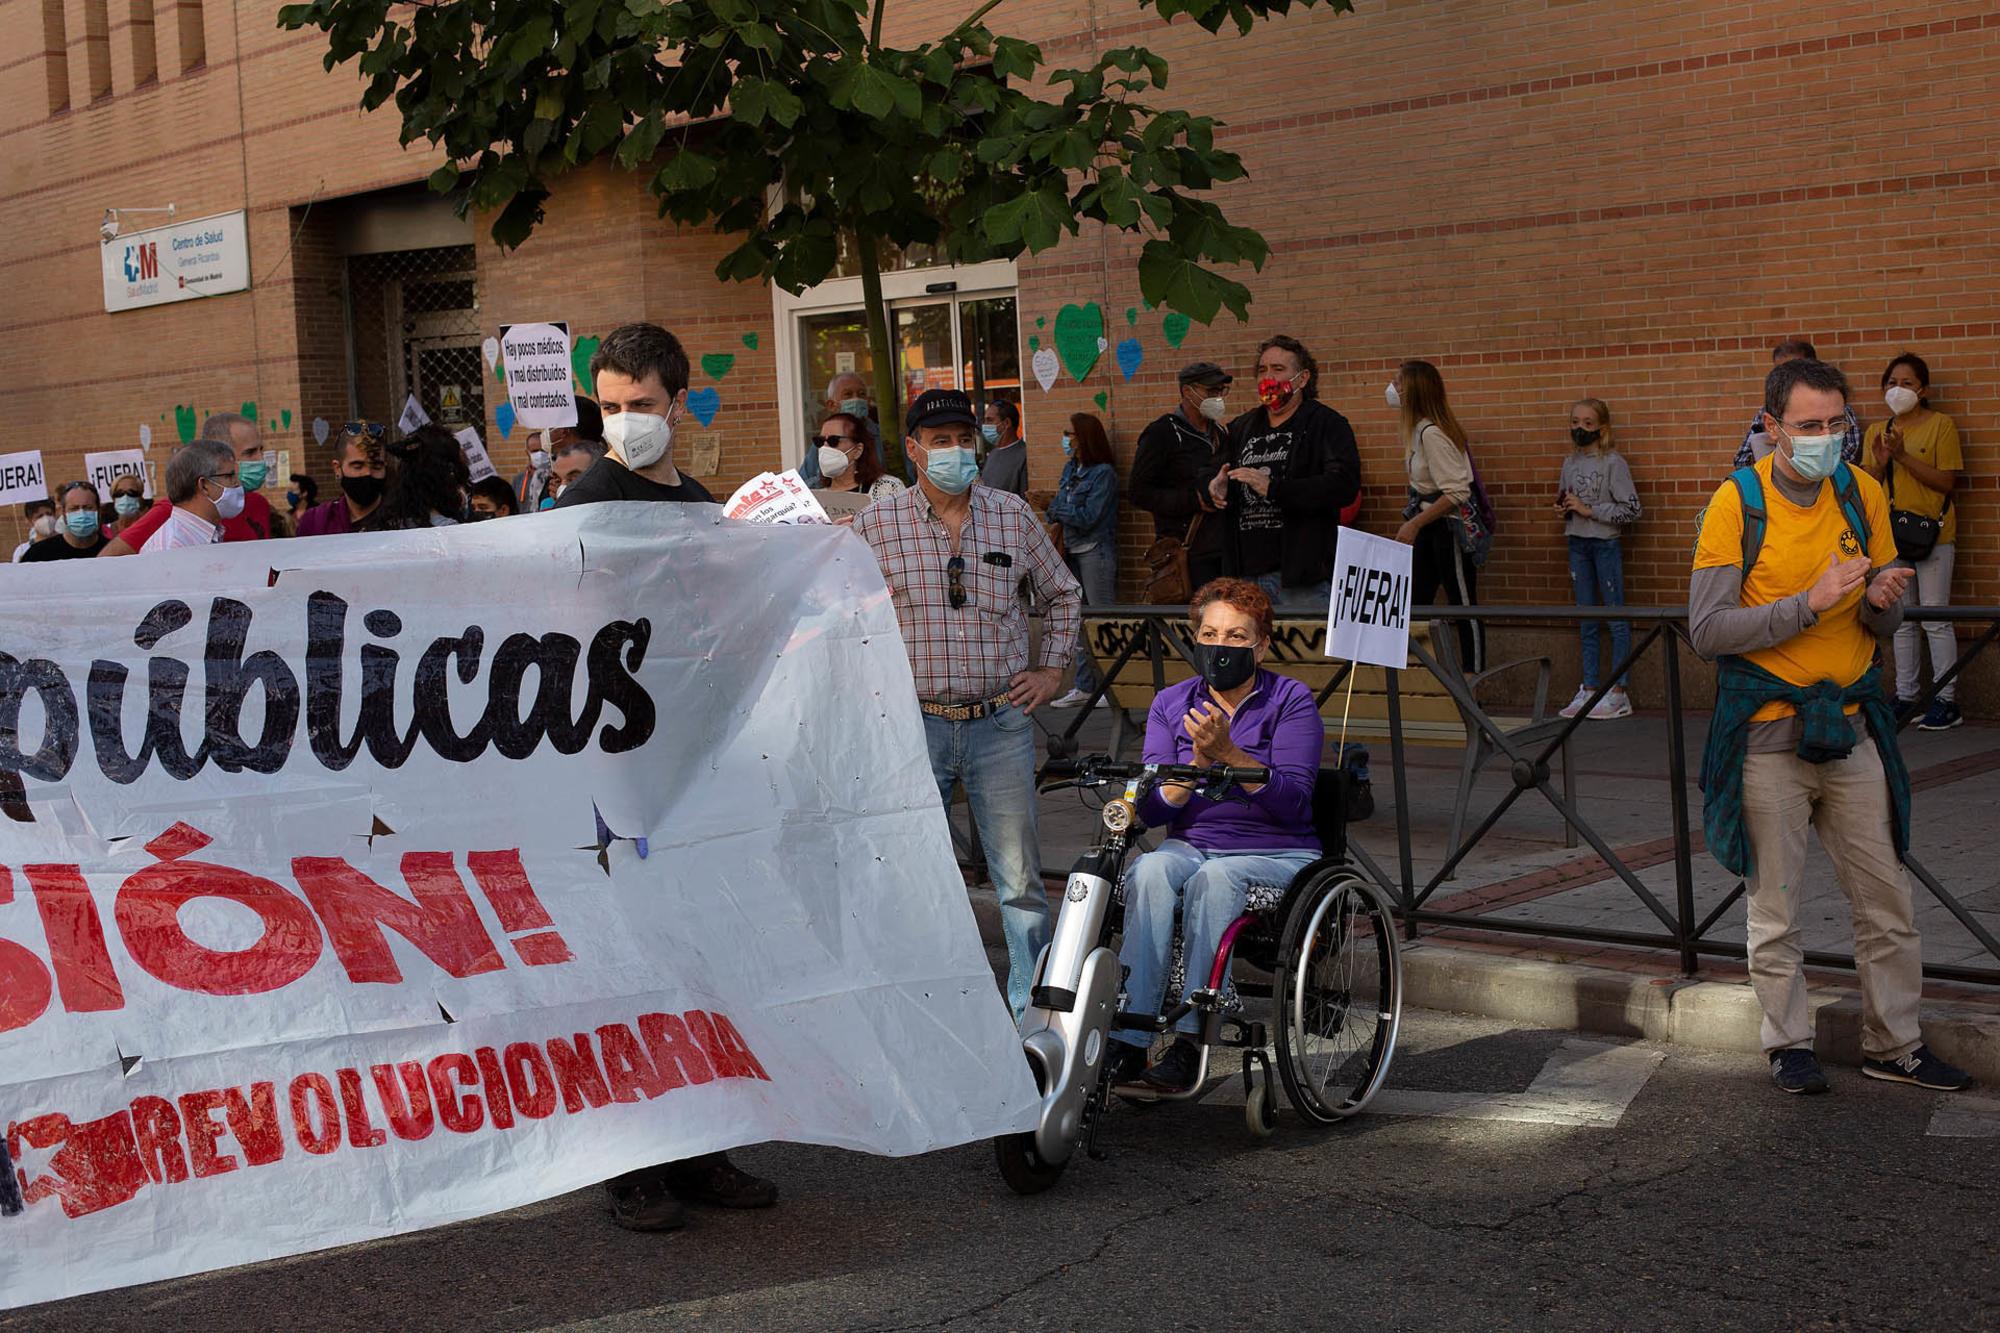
(713, 1179)
(1921, 1068)
(639, 1201)
(1175, 1071)
(1905, 710)
(1797, 1070)
(1942, 715)
(1125, 1064)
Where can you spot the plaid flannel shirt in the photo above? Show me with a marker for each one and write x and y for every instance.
(973, 652)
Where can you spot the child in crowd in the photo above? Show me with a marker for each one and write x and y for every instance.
(1596, 498)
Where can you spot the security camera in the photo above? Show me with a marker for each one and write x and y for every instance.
(108, 229)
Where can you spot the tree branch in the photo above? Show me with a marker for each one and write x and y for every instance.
(875, 23)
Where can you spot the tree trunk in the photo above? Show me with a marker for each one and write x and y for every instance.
(888, 400)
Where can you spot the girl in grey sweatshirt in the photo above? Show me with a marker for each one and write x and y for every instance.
(1597, 500)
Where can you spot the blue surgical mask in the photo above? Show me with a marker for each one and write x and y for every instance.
(1067, 446)
(952, 470)
(990, 432)
(855, 407)
(83, 523)
(126, 505)
(1814, 457)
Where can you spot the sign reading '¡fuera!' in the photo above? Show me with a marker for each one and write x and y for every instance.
(537, 362)
(327, 909)
(23, 478)
(1368, 619)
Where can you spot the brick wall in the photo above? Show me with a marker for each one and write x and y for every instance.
(1621, 198)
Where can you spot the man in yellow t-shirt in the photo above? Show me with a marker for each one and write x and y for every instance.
(1797, 635)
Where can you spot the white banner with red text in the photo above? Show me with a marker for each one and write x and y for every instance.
(358, 884)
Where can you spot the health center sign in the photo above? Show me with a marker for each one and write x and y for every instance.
(183, 261)
(380, 881)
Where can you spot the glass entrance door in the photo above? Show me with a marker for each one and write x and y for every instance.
(967, 342)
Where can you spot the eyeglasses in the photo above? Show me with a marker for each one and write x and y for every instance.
(372, 429)
(954, 569)
(1837, 426)
(833, 441)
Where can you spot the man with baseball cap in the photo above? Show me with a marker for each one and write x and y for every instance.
(1177, 457)
(955, 556)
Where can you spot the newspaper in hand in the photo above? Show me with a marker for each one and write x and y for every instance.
(775, 497)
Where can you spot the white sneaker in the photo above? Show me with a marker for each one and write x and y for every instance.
(1074, 699)
(1615, 704)
(1575, 706)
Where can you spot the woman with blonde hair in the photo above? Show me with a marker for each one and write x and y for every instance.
(1596, 500)
(1439, 464)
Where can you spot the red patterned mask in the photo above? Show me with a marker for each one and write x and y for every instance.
(1275, 393)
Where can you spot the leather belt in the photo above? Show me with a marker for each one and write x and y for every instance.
(965, 712)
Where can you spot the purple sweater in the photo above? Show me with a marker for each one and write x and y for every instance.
(1279, 726)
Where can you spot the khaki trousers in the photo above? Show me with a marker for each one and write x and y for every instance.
(1847, 800)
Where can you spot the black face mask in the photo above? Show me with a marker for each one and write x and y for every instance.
(1225, 665)
(1580, 437)
(364, 491)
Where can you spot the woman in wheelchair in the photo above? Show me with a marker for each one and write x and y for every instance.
(1234, 713)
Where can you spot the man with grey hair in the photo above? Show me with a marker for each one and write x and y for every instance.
(572, 460)
(252, 523)
(202, 491)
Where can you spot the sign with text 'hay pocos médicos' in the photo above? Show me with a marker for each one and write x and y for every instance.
(1368, 618)
(537, 362)
(388, 881)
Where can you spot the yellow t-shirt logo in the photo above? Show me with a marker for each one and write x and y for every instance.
(1850, 545)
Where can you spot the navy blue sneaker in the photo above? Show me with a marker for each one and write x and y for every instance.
(1942, 715)
(1797, 1070)
(1125, 1064)
(1177, 1069)
(1921, 1068)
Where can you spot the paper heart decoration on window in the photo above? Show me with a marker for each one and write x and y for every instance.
(1047, 367)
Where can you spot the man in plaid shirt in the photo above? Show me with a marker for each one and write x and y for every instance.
(955, 556)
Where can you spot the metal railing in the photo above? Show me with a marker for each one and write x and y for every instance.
(1162, 631)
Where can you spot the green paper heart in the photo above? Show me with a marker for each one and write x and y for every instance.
(1103, 400)
(717, 364)
(1041, 322)
(273, 427)
(580, 353)
(285, 415)
(1034, 342)
(1175, 325)
(250, 410)
(1079, 330)
(500, 371)
(750, 341)
(184, 423)
(1131, 314)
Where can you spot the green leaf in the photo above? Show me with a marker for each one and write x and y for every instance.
(1035, 219)
(1168, 277)
(1013, 58)
(641, 142)
(686, 170)
(444, 178)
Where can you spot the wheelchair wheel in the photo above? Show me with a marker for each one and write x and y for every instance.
(1339, 996)
(1022, 1167)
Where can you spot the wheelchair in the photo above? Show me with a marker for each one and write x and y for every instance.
(1327, 940)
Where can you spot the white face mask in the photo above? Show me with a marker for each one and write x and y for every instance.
(230, 503)
(1901, 400)
(538, 459)
(1215, 409)
(832, 462)
(1394, 399)
(638, 439)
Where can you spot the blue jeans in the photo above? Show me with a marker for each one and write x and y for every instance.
(1317, 597)
(1097, 570)
(1597, 572)
(994, 756)
(1211, 889)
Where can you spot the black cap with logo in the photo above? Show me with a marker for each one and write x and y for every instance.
(1205, 373)
(939, 407)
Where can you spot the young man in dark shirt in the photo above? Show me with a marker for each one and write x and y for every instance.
(1177, 456)
(77, 535)
(1293, 467)
(640, 373)
(641, 377)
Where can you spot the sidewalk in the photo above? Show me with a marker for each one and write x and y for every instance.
(1521, 872)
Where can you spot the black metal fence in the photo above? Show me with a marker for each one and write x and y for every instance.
(1161, 636)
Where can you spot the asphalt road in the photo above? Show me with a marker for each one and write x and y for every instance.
(1711, 1202)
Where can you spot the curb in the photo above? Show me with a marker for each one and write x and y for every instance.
(1574, 997)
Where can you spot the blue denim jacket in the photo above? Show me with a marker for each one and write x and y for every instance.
(1086, 504)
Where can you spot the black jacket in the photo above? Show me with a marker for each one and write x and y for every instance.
(1315, 473)
(1170, 475)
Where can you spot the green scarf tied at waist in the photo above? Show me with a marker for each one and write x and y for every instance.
(1825, 734)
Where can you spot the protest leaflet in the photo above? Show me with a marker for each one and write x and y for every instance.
(362, 892)
(775, 497)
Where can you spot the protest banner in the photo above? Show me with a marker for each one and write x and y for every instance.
(536, 360)
(1368, 617)
(478, 466)
(408, 877)
(775, 497)
(101, 469)
(23, 478)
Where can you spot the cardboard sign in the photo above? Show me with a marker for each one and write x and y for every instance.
(414, 417)
(1368, 618)
(311, 977)
(478, 465)
(101, 469)
(23, 478)
(539, 374)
